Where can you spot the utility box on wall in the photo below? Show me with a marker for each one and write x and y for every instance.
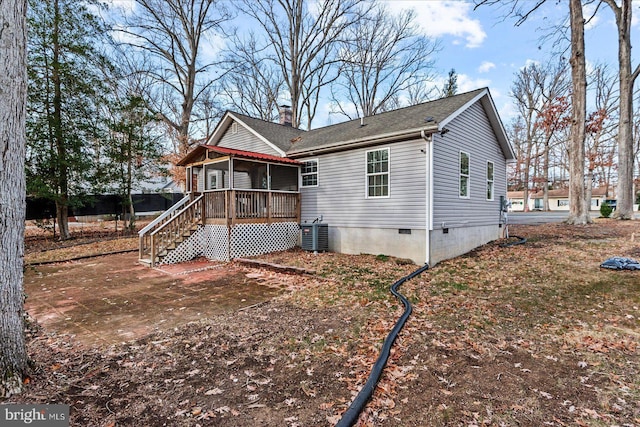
(315, 237)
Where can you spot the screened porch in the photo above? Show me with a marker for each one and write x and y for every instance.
(243, 187)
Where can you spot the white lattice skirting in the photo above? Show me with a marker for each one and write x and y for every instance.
(187, 250)
(219, 243)
(257, 239)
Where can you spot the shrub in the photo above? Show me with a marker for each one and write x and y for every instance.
(605, 210)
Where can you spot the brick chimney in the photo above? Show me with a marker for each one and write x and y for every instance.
(285, 115)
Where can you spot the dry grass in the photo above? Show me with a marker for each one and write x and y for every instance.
(530, 335)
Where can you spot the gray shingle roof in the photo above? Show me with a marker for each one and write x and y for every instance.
(429, 115)
(408, 118)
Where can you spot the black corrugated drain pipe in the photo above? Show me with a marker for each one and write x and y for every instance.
(520, 241)
(351, 415)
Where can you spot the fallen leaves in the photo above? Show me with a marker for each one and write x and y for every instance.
(85, 250)
(524, 336)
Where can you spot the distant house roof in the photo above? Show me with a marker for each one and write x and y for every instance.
(157, 184)
(562, 193)
(403, 123)
(189, 158)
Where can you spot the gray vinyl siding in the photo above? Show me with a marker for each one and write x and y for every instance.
(246, 141)
(340, 197)
(469, 132)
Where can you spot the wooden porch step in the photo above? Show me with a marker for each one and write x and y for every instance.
(145, 261)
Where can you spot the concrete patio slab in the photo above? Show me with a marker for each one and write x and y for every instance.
(112, 299)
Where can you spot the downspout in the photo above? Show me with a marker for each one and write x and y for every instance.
(231, 208)
(428, 138)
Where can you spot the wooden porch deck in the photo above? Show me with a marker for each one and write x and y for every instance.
(220, 207)
(250, 206)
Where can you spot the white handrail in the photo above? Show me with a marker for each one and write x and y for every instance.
(164, 215)
(154, 232)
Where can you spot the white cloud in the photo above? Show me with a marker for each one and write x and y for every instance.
(588, 12)
(529, 62)
(507, 111)
(126, 7)
(444, 18)
(466, 83)
(120, 34)
(486, 66)
(211, 47)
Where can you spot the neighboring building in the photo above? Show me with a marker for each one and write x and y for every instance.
(423, 182)
(558, 199)
(516, 200)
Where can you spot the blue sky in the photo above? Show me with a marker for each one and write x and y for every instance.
(486, 49)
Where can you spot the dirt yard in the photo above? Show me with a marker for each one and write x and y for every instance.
(113, 299)
(530, 335)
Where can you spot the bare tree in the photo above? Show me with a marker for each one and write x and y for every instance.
(131, 153)
(626, 77)
(301, 40)
(516, 130)
(578, 214)
(522, 10)
(253, 82)
(13, 80)
(600, 151)
(553, 86)
(636, 138)
(528, 100)
(384, 57)
(173, 33)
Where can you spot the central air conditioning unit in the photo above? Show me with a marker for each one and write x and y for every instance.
(315, 237)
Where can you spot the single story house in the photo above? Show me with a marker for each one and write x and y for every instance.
(425, 182)
(558, 199)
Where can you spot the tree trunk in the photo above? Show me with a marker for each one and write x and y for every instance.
(62, 216)
(624, 194)
(13, 77)
(545, 173)
(577, 212)
(527, 173)
(62, 201)
(588, 190)
(131, 225)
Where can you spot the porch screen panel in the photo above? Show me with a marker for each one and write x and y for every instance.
(284, 178)
(250, 175)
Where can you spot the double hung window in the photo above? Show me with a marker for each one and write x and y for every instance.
(378, 173)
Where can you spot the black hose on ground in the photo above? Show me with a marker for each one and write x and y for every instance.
(351, 415)
(520, 241)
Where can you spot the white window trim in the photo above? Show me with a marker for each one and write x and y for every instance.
(316, 173)
(367, 174)
(468, 175)
(234, 128)
(492, 180)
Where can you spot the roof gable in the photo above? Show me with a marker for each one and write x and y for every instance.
(275, 135)
(403, 123)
